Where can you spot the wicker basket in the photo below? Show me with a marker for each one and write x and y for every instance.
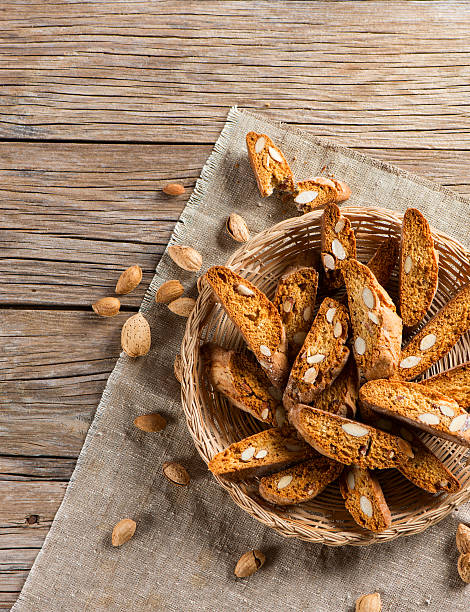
(214, 423)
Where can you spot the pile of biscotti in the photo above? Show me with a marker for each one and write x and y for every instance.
(334, 388)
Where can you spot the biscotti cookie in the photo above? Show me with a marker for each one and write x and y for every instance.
(384, 260)
(301, 482)
(338, 243)
(454, 383)
(241, 379)
(437, 337)
(315, 193)
(257, 319)
(269, 165)
(343, 190)
(424, 470)
(348, 441)
(264, 452)
(295, 300)
(418, 406)
(323, 354)
(376, 326)
(364, 499)
(341, 396)
(418, 268)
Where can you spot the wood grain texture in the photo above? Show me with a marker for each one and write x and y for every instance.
(135, 93)
(167, 71)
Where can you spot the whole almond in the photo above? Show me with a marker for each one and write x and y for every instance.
(249, 563)
(123, 532)
(237, 228)
(173, 189)
(369, 603)
(185, 257)
(107, 307)
(182, 306)
(150, 422)
(169, 291)
(136, 336)
(129, 280)
(463, 567)
(178, 368)
(462, 537)
(176, 473)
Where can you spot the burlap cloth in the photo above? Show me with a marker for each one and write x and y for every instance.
(189, 538)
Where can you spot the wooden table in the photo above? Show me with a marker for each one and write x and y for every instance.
(102, 103)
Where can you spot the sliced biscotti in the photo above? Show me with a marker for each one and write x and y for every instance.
(454, 383)
(348, 441)
(414, 404)
(377, 328)
(323, 354)
(341, 396)
(267, 451)
(295, 300)
(269, 165)
(383, 261)
(241, 379)
(301, 482)
(315, 193)
(364, 499)
(343, 190)
(338, 243)
(437, 337)
(424, 470)
(257, 319)
(418, 268)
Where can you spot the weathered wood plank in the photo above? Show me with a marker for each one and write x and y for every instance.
(35, 468)
(169, 71)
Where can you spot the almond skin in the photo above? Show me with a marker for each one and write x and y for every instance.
(123, 532)
(107, 307)
(369, 603)
(237, 228)
(183, 306)
(178, 368)
(129, 280)
(185, 257)
(249, 563)
(135, 336)
(150, 422)
(169, 291)
(173, 189)
(462, 538)
(176, 473)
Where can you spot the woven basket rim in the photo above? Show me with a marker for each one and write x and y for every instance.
(273, 516)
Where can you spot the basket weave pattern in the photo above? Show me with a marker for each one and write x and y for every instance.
(214, 423)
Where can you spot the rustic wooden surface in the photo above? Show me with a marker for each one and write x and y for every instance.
(101, 104)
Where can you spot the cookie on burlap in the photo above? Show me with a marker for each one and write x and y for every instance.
(264, 452)
(241, 379)
(315, 193)
(257, 319)
(376, 326)
(323, 354)
(418, 406)
(418, 268)
(301, 482)
(269, 165)
(338, 243)
(295, 300)
(364, 499)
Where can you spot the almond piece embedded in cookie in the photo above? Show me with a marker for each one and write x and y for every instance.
(314, 193)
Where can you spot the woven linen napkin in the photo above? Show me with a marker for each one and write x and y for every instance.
(188, 539)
